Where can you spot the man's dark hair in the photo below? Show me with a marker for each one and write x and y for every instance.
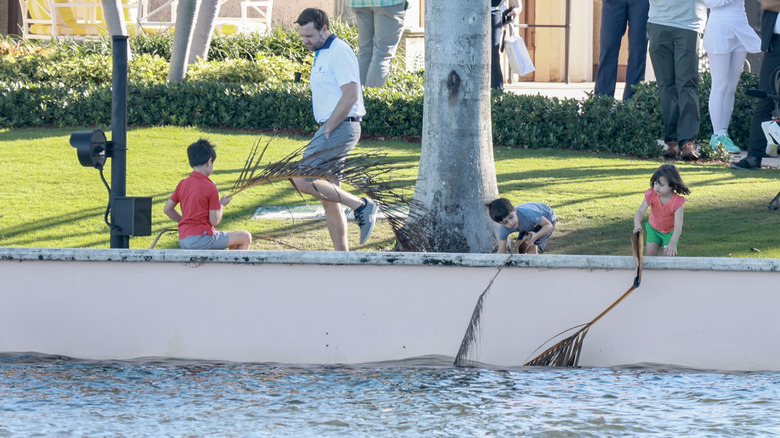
(200, 152)
(500, 209)
(313, 15)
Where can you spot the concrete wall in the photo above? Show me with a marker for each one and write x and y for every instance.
(302, 306)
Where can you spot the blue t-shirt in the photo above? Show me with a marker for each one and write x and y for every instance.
(529, 218)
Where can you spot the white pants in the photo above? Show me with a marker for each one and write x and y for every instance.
(725, 70)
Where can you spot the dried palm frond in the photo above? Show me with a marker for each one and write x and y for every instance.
(566, 353)
(472, 331)
(367, 172)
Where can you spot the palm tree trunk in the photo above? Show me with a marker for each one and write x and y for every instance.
(457, 175)
(204, 29)
(113, 14)
(182, 38)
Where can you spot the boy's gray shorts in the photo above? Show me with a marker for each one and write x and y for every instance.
(219, 240)
(542, 241)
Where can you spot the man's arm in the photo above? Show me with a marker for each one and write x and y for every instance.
(349, 95)
(771, 5)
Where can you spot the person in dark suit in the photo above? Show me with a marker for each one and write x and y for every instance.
(501, 13)
(770, 45)
(616, 15)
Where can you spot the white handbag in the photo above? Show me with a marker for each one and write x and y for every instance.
(517, 54)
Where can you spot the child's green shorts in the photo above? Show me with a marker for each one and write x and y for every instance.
(655, 236)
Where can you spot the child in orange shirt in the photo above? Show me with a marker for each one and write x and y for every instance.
(666, 210)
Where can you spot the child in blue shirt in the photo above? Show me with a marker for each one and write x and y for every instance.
(532, 218)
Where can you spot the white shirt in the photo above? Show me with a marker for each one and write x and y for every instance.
(335, 65)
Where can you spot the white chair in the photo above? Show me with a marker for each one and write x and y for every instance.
(162, 17)
(256, 15)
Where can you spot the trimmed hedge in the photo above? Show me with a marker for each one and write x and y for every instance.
(248, 83)
(597, 123)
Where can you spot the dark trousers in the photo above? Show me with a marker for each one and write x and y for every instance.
(676, 66)
(496, 77)
(616, 15)
(765, 106)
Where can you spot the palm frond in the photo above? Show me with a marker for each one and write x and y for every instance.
(566, 353)
(469, 341)
(369, 173)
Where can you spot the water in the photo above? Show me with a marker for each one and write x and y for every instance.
(53, 396)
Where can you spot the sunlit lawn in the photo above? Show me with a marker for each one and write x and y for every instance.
(49, 200)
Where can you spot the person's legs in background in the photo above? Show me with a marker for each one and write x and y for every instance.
(662, 58)
(725, 69)
(763, 110)
(496, 77)
(614, 14)
(686, 64)
(637, 45)
(388, 28)
(364, 21)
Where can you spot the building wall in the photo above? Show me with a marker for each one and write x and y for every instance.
(549, 44)
(4, 21)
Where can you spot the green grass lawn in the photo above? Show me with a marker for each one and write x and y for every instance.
(49, 200)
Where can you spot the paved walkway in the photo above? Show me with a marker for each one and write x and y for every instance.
(580, 90)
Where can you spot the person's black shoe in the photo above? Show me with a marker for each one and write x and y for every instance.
(747, 163)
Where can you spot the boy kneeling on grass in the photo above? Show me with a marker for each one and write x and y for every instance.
(201, 207)
(533, 220)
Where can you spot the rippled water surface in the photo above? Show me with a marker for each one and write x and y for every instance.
(54, 396)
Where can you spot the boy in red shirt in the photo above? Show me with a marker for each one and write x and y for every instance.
(201, 207)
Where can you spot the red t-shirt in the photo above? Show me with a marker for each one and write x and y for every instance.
(662, 216)
(197, 194)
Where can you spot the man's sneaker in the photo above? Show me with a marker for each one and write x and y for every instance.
(689, 152)
(366, 217)
(747, 163)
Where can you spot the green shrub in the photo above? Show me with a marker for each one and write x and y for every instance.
(155, 44)
(241, 71)
(147, 68)
(248, 83)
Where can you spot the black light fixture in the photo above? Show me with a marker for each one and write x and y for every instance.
(130, 216)
(91, 147)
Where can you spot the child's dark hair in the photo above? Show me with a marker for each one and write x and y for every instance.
(313, 15)
(200, 152)
(500, 209)
(673, 176)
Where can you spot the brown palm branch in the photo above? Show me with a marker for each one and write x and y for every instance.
(468, 343)
(566, 353)
(367, 172)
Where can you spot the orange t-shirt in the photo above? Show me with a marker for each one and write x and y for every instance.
(662, 216)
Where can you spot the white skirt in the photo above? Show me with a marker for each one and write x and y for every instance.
(725, 34)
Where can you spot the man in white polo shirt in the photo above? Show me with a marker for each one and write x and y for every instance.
(337, 101)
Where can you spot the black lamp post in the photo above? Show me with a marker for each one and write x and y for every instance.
(129, 215)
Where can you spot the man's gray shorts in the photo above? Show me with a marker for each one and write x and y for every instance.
(334, 149)
(219, 240)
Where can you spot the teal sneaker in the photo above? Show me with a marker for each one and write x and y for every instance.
(729, 144)
(714, 140)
